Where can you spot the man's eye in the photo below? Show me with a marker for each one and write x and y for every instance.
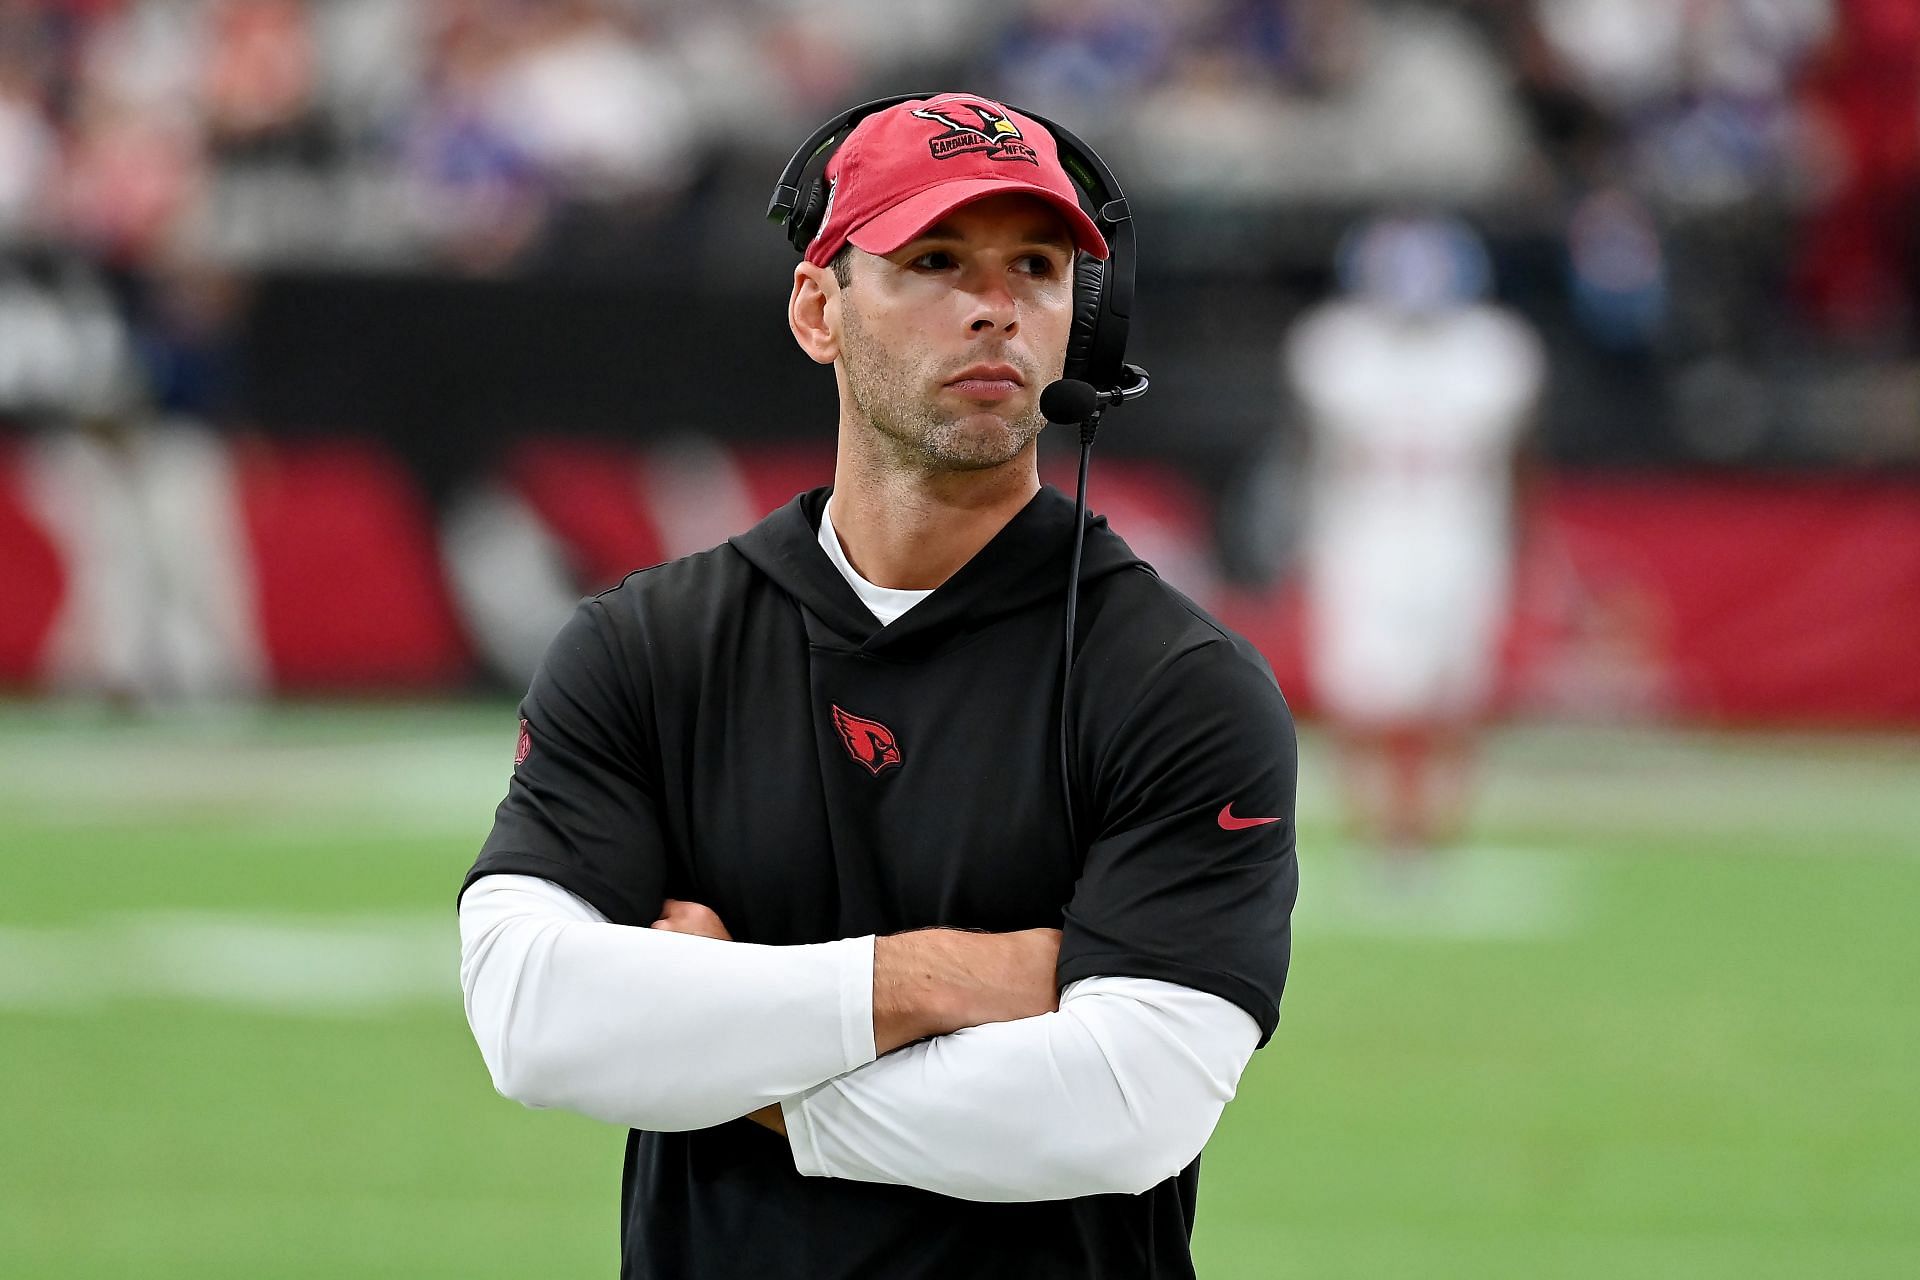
(938, 260)
(1039, 264)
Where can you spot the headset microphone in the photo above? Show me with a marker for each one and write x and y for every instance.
(1072, 402)
(1069, 402)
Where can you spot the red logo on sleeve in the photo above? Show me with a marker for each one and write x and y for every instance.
(1228, 822)
(524, 747)
(868, 741)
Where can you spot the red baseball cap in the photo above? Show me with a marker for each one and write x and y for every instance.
(903, 169)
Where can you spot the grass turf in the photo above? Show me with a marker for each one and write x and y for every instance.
(1662, 1023)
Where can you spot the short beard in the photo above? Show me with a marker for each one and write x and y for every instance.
(920, 433)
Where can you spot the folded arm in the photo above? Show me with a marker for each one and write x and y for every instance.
(647, 1028)
(1114, 1092)
(667, 1030)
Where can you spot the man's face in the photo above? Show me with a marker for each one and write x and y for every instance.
(947, 342)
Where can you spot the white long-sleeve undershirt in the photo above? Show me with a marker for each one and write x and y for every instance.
(1115, 1093)
(646, 1028)
(662, 1031)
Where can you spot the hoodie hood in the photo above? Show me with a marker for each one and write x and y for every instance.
(1023, 566)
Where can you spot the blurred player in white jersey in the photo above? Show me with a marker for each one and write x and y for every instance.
(1416, 394)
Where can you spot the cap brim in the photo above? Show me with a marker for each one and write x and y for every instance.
(886, 232)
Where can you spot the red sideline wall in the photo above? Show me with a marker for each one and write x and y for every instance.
(340, 545)
(1734, 600)
(1747, 598)
(33, 582)
(347, 577)
(1730, 599)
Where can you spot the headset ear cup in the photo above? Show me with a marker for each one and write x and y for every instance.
(1089, 278)
(806, 219)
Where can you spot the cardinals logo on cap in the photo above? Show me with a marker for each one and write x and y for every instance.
(994, 134)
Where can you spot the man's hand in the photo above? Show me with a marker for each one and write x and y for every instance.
(928, 982)
(933, 981)
(677, 916)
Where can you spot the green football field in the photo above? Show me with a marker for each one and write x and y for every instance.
(1660, 1019)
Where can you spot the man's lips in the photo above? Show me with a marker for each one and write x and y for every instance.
(987, 381)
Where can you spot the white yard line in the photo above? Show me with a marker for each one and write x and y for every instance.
(399, 784)
(314, 965)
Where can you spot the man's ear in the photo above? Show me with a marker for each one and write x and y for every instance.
(813, 312)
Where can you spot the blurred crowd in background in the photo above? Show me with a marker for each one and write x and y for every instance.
(1726, 183)
(471, 131)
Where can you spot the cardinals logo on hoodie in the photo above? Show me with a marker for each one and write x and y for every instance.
(869, 742)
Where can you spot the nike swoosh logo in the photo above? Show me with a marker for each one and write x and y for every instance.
(1230, 823)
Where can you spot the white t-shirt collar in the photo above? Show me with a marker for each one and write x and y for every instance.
(885, 603)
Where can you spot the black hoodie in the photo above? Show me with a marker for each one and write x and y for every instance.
(736, 728)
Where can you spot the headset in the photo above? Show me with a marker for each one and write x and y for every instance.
(1102, 291)
(1096, 376)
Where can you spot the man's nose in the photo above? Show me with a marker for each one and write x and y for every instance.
(994, 308)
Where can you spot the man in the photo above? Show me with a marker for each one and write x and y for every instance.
(1416, 394)
(888, 1020)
